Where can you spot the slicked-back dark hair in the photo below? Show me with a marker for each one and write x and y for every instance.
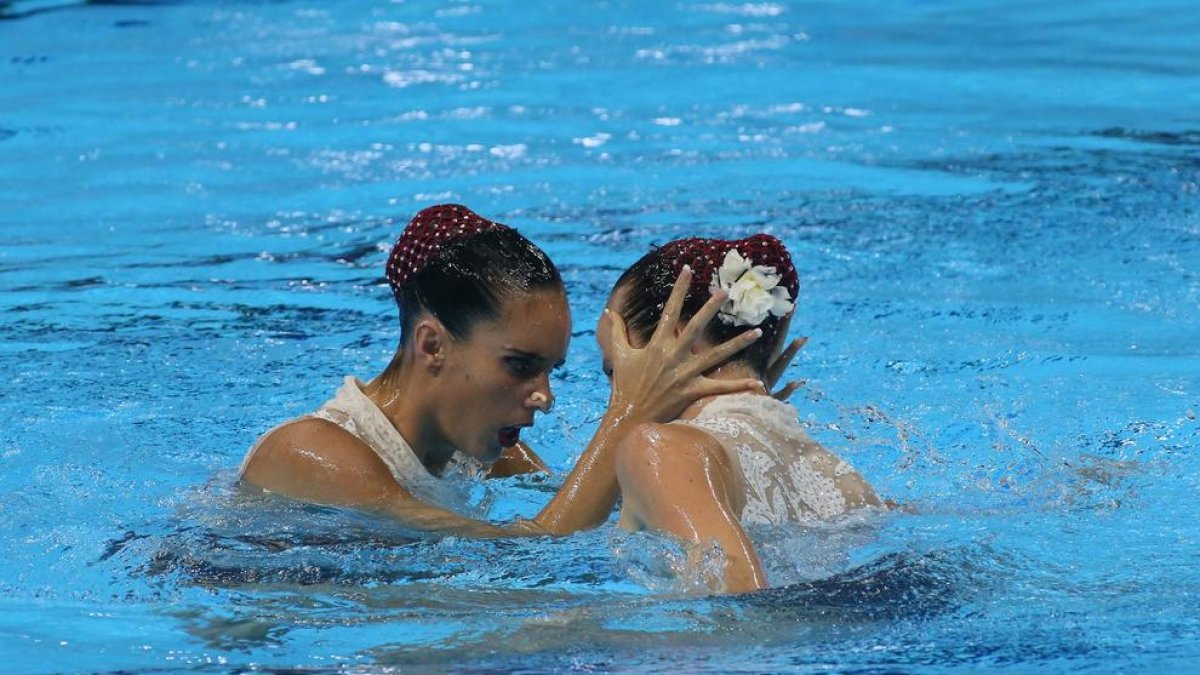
(647, 284)
(469, 279)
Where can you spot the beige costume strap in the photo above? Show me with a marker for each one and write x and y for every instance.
(358, 415)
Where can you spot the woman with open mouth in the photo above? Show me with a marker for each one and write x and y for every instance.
(484, 320)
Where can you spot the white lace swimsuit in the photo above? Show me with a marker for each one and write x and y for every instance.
(358, 415)
(787, 476)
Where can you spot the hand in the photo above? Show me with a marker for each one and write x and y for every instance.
(655, 383)
(779, 364)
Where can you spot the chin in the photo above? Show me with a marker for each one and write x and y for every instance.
(487, 452)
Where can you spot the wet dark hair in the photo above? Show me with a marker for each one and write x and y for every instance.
(469, 279)
(647, 284)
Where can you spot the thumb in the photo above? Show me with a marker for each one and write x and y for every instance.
(619, 335)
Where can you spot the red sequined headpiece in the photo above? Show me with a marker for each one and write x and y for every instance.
(706, 256)
(427, 234)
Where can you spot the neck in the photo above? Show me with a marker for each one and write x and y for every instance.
(727, 371)
(413, 416)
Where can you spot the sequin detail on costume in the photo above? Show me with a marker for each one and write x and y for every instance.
(706, 255)
(427, 234)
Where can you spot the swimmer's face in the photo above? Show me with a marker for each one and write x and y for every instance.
(496, 378)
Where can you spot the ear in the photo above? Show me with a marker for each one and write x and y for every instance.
(430, 340)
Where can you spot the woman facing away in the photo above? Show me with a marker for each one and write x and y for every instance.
(734, 459)
(483, 322)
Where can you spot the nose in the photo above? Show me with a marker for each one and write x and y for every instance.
(541, 398)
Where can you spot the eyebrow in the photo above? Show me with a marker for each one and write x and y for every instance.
(513, 351)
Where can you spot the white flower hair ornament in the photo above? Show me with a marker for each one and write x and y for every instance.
(754, 291)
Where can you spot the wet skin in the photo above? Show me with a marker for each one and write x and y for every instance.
(490, 384)
(470, 393)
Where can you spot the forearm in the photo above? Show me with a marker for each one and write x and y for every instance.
(589, 492)
(426, 517)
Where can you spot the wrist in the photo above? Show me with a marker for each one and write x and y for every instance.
(621, 412)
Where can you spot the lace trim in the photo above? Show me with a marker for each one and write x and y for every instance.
(787, 477)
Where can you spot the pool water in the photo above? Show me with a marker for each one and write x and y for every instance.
(995, 209)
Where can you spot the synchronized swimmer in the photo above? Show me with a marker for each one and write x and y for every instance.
(483, 321)
(692, 336)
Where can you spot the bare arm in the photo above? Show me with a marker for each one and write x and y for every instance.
(676, 480)
(651, 384)
(317, 461)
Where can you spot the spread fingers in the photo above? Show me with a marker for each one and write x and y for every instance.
(674, 305)
(722, 352)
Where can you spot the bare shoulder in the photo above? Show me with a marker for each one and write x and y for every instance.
(666, 449)
(671, 474)
(316, 460)
(306, 439)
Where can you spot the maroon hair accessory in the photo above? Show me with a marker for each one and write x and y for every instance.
(427, 234)
(705, 257)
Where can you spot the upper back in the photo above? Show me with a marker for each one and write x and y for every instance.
(786, 475)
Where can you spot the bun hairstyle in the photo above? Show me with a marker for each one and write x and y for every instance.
(460, 267)
(756, 271)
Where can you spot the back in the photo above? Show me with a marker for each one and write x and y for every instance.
(785, 475)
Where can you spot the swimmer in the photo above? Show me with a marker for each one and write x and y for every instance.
(733, 459)
(483, 322)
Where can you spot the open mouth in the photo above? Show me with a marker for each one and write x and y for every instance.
(509, 436)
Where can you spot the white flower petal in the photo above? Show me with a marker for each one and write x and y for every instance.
(733, 267)
(767, 278)
(754, 291)
(782, 303)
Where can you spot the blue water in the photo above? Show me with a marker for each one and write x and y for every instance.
(995, 208)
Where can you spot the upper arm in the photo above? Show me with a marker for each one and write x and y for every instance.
(676, 479)
(317, 461)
